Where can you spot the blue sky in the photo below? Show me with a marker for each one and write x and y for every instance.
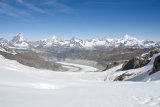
(37, 19)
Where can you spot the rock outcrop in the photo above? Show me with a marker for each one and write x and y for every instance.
(113, 64)
(156, 65)
(121, 77)
(140, 61)
(134, 63)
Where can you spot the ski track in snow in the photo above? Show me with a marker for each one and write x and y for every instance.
(148, 101)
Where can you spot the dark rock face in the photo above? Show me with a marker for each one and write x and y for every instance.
(113, 64)
(134, 63)
(151, 53)
(156, 65)
(121, 77)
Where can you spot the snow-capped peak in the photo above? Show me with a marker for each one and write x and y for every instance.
(53, 38)
(50, 41)
(128, 38)
(3, 42)
(19, 41)
(18, 38)
(128, 41)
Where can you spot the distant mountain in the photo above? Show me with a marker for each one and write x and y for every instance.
(19, 41)
(3, 42)
(125, 42)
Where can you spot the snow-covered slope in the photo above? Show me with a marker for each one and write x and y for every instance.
(22, 86)
(153, 77)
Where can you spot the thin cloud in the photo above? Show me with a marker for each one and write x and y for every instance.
(31, 6)
(9, 10)
(47, 7)
(58, 6)
(53, 5)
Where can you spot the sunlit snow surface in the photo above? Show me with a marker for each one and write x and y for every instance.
(22, 86)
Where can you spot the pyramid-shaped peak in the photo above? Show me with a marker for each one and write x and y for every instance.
(18, 38)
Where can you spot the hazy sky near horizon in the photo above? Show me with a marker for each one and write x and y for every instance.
(38, 19)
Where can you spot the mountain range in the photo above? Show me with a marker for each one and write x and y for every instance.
(125, 42)
(134, 58)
